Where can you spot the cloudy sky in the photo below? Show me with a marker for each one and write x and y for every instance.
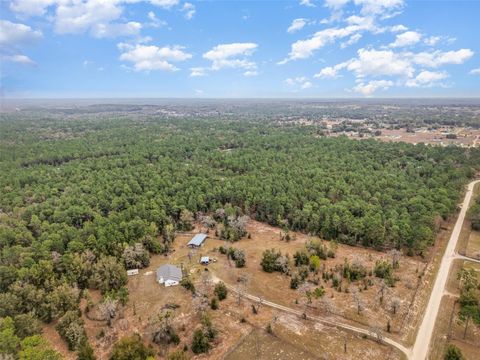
(302, 48)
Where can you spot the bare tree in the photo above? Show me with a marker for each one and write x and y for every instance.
(161, 328)
(282, 263)
(395, 304)
(395, 255)
(200, 304)
(376, 333)
(357, 299)
(382, 291)
(328, 305)
(109, 309)
(242, 283)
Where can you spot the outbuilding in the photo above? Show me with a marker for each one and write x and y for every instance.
(169, 275)
(197, 241)
(204, 260)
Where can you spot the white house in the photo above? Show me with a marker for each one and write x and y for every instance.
(169, 275)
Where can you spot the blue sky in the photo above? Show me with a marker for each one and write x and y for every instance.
(174, 48)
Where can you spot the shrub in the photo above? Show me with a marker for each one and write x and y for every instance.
(131, 348)
(221, 291)
(453, 353)
(200, 343)
(214, 303)
(383, 269)
(70, 327)
(188, 284)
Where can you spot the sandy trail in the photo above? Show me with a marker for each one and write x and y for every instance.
(425, 332)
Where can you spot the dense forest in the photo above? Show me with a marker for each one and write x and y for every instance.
(81, 200)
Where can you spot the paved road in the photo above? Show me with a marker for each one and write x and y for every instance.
(324, 321)
(425, 332)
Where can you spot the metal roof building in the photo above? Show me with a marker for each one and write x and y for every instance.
(169, 275)
(197, 240)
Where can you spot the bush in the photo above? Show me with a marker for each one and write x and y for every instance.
(214, 303)
(131, 348)
(453, 353)
(301, 258)
(269, 259)
(383, 269)
(70, 328)
(27, 325)
(200, 343)
(85, 351)
(177, 355)
(221, 291)
(188, 284)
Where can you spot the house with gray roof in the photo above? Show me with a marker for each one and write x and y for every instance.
(197, 241)
(169, 275)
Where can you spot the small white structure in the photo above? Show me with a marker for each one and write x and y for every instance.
(204, 260)
(132, 272)
(169, 275)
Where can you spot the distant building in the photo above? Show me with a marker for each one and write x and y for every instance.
(169, 275)
(205, 260)
(132, 272)
(197, 241)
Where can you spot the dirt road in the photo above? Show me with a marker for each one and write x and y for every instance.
(425, 332)
(424, 335)
(323, 321)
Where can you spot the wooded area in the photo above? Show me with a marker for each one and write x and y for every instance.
(81, 200)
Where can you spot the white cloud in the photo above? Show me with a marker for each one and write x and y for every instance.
(31, 7)
(406, 39)
(189, 10)
(379, 63)
(308, 3)
(352, 40)
(300, 81)
(250, 73)
(432, 40)
(14, 34)
(116, 29)
(475, 71)
(329, 71)
(426, 79)
(367, 89)
(151, 57)
(102, 18)
(19, 59)
(398, 28)
(384, 8)
(439, 58)
(296, 25)
(155, 22)
(167, 4)
(79, 17)
(197, 72)
(304, 49)
(233, 55)
(336, 4)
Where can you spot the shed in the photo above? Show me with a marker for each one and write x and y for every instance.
(204, 260)
(197, 241)
(169, 275)
(132, 272)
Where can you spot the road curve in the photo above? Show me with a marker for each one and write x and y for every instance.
(425, 332)
(336, 324)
